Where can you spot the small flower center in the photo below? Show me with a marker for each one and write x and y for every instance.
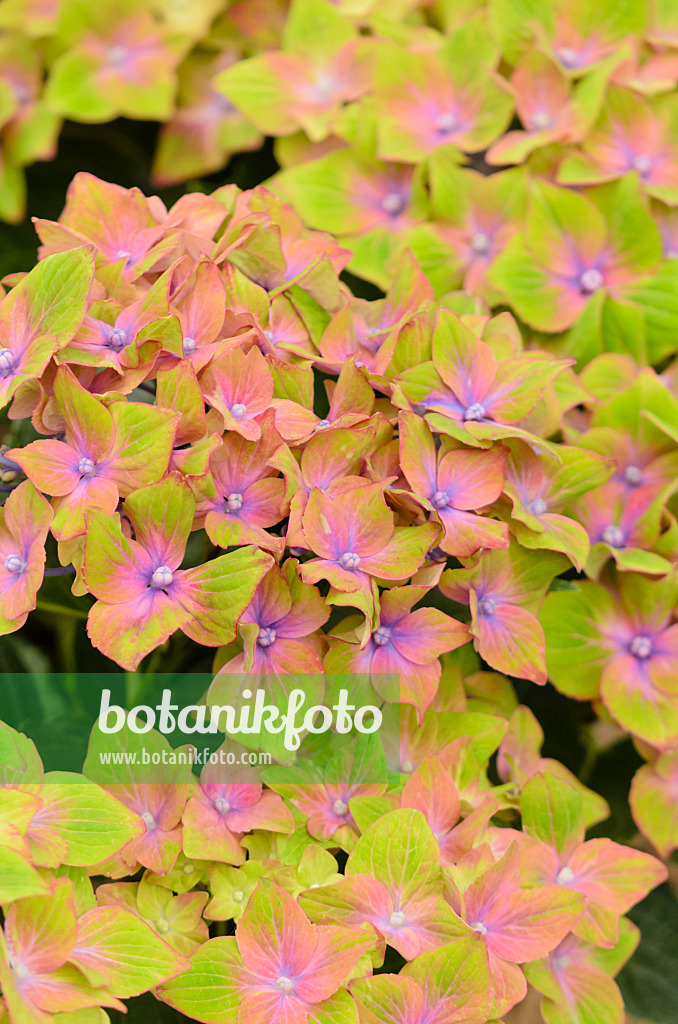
(568, 56)
(117, 55)
(480, 243)
(476, 411)
(614, 536)
(124, 254)
(234, 502)
(478, 926)
(560, 962)
(440, 499)
(591, 280)
(266, 636)
(285, 984)
(15, 564)
(633, 476)
(6, 362)
(85, 467)
(117, 339)
(339, 808)
(641, 647)
(222, 805)
(382, 635)
(238, 411)
(487, 606)
(540, 120)
(642, 163)
(238, 895)
(322, 423)
(565, 876)
(393, 203)
(349, 560)
(149, 821)
(162, 925)
(20, 970)
(537, 507)
(397, 919)
(189, 346)
(447, 123)
(189, 869)
(324, 86)
(162, 577)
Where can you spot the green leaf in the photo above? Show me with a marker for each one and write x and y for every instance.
(56, 293)
(207, 991)
(117, 949)
(657, 298)
(19, 759)
(402, 852)
(94, 825)
(17, 878)
(551, 810)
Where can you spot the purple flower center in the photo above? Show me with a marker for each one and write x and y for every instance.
(478, 926)
(382, 636)
(642, 163)
(325, 86)
(591, 280)
(85, 467)
(15, 564)
(614, 536)
(149, 821)
(322, 423)
(641, 647)
(447, 123)
(117, 339)
(393, 203)
(480, 243)
(397, 919)
(568, 56)
(633, 476)
(222, 805)
(266, 636)
(285, 984)
(238, 411)
(162, 577)
(349, 560)
(189, 346)
(487, 606)
(117, 55)
(541, 120)
(476, 411)
(234, 502)
(565, 876)
(339, 807)
(537, 507)
(6, 362)
(560, 962)
(440, 499)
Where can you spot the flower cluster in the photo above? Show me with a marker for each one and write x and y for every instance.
(217, 439)
(475, 910)
(382, 124)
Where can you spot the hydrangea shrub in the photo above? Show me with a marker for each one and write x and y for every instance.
(216, 445)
